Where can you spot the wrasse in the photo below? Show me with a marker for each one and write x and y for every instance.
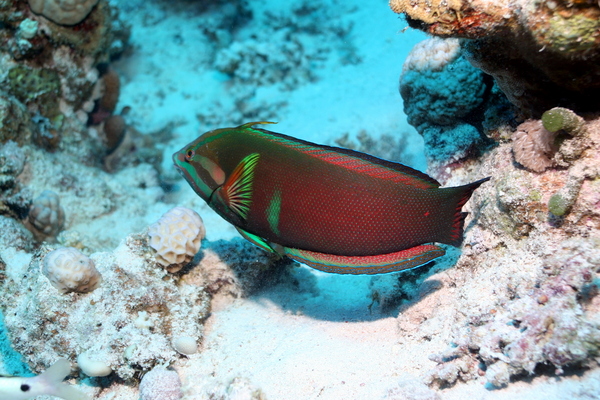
(48, 383)
(334, 209)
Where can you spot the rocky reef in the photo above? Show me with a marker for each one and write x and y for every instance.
(525, 290)
(542, 54)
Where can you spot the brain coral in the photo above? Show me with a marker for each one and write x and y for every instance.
(69, 270)
(63, 12)
(46, 215)
(176, 237)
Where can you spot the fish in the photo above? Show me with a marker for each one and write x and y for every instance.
(333, 209)
(48, 383)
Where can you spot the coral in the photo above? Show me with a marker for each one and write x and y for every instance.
(541, 54)
(104, 35)
(114, 132)
(261, 62)
(69, 270)
(64, 12)
(559, 118)
(533, 146)
(450, 143)
(28, 28)
(46, 216)
(558, 205)
(12, 161)
(525, 289)
(111, 88)
(440, 90)
(435, 11)
(104, 326)
(256, 60)
(160, 384)
(15, 123)
(176, 237)
(537, 148)
(38, 88)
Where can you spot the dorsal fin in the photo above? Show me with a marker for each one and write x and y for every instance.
(236, 192)
(355, 160)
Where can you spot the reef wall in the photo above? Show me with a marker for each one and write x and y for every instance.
(525, 291)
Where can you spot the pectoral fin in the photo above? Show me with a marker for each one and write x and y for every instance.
(379, 264)
(236, 192)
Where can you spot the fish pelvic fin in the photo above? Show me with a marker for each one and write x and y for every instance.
(462, 195)
(367, 265)
(53, 377)
(256, 240)
(236, 193)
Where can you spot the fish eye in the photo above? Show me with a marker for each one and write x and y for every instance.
(189, 154)
(25, 388)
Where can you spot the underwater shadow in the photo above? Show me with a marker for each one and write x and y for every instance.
(353, 298)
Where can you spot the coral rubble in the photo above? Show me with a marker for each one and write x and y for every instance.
(123, 326)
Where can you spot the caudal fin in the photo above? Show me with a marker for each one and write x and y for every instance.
(462, 194)
(53, 377)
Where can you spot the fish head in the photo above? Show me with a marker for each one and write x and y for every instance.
(197, 162)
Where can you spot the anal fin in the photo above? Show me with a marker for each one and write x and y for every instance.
(369, 265)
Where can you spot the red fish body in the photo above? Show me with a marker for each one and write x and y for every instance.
(334, 209)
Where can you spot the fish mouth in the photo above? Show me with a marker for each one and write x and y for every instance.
(178, 159)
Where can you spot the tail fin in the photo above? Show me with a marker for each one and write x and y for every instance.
(53, 377)
(462, 195)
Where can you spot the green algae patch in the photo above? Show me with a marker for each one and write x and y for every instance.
(36, 85)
